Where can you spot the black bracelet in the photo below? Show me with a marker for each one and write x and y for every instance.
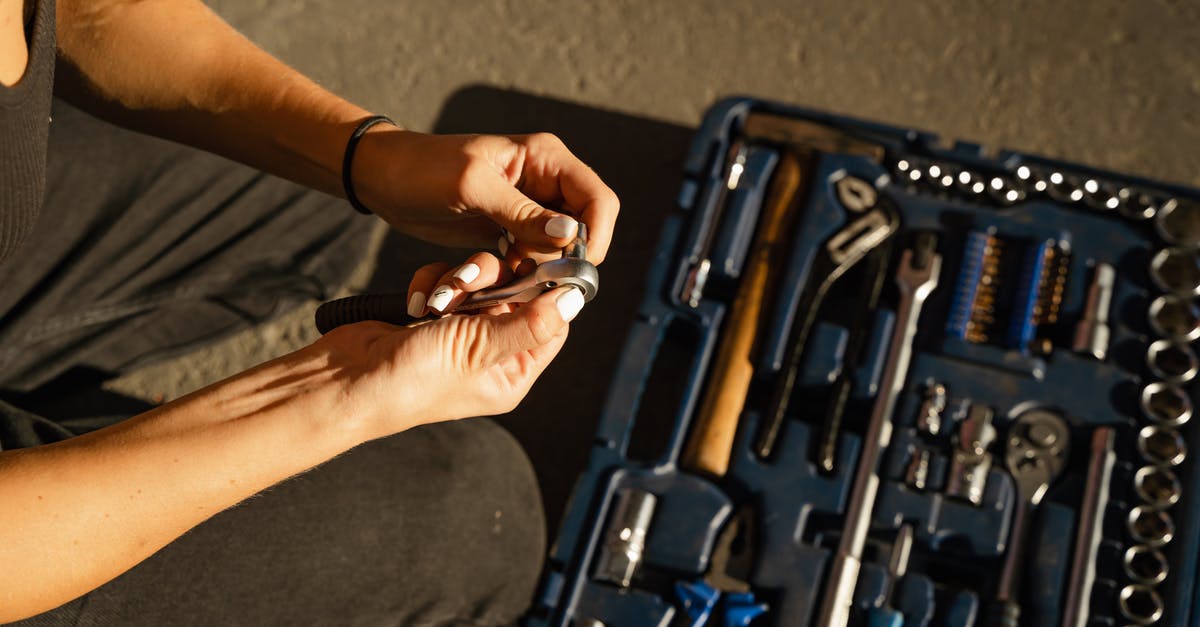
(348, 159)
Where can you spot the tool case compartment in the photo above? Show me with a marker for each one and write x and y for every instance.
(1044, 411)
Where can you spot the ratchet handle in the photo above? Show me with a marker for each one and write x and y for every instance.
(390, 308)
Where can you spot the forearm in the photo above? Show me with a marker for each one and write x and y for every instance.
(174, 69)
(73, 515)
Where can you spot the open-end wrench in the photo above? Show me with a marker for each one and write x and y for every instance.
(571, 270)
(840, 253)
(916, 278)
(1038, 443)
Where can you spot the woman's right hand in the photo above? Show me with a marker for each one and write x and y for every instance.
(456, 366)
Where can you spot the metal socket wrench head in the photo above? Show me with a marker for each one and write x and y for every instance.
(1150, 526)
(1140, 604)
(1030, 180)
(1176, 270)
(1136, 204)
(1161, 446)
(1178, 222)
(1157, 486)
(1100, 196)
(971, 184)
(1176, 317)
(625, 537)
(1166, 404)
(1004, 192)
(941, 176)
(1174, 362)
(1144, 564)
(1064, 188)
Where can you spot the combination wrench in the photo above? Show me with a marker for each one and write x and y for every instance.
(916, 278)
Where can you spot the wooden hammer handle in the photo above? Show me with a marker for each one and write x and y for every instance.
(711, 443)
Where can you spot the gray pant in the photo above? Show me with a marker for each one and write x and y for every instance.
(146, 249)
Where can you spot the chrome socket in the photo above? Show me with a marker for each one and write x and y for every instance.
(1178, 222)
(1176, 270)
(1150, 526)
(1161, 446)
(1173, 316)
(1145, 565)
(1157, 486)
(1140, 604)
(1171, 361)
(1166, 404)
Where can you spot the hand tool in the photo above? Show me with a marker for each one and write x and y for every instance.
(1140, 604)
(865, 304)
(929, 417)
(1091, 333)
(701, 264)
(1091, 528)
(971, 463)
(916, 278)
(625, 537)
(1032, 181)
(855, 194)
(1004, 192)
(1166, 404)
(1178, 222)
(1037, 448)
(1063, 187)
(841, 252)
(885, 616)
(1144, 564)
(1157, 486)
(1176, 270)
(1175, 317)
(916, 475)
(1161, 446)
(572, 270)
(715, 425)
(1174, 362)
(1100, 196)
(1135, 205)
(1150, 526)
(732, 560)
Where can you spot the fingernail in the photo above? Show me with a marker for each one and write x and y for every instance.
(467, 272)
(509, 236)
(569, 304)
(441, 297)
(561, 226)
(416, 304)
(502, 245)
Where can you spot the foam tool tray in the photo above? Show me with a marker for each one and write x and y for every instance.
(882, 379)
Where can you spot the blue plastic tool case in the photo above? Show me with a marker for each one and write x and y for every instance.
(991, 354)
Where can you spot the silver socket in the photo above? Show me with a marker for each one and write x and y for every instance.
(1064, 188)
(1171, 361)
(1141, 604)
(1161, 446)
(1175, 317)
(1166, 404)
(1150, 526)
(1176, 270)
(1144, 564)
(1100, 196)
(1178, 222)
(971, 184)
(1157, 486)
(625, 537)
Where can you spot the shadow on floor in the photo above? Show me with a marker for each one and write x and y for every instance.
(641, 160)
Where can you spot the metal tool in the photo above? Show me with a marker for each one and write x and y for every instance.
(1150, 526)
(841, 252)
(1175, 317)
(625, 537)
(697, 276)
(1161, 446)
(1157, 486)
(916, 278)
(1092, 333)
(1038, 444)
(1140, 604)
(1176, 270)
(971, 463)
(916, 474)
(711, 441)
(884, 615)
(1174, 362)
(1178, 222)
(587, 622)
(1135, 204)
(1144, 564)
(1166, 404)
(572, 270)
(855, 194)
(929, 417)
(1091, 528)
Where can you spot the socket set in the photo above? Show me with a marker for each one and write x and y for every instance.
(882, 380)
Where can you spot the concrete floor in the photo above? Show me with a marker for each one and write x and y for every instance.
(1109, 83)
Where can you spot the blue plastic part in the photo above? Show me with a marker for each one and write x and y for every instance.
(732, 241)
(965, 289)
(884, 617)
(698, 600)
(741, 609)
(1022, 325)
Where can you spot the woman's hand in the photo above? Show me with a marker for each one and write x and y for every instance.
(458, 190)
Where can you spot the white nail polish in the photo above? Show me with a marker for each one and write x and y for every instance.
(416, 304)
(509, 236)
(467, 272)
(569, 304)
(562, 226)
(441, 297)
(502, 245)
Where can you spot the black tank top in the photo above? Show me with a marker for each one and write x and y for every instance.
(24, 129)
